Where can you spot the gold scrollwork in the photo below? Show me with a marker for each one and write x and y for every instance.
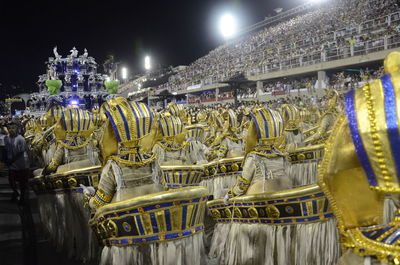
(112, 228)
(59, 184)
(237, 212)
(102, 230)
(301, 156)
(206, 172)
(235, 167)
(272, 211)
(228, 212)
(72, 182)
(223, 168)
(253, 212)
(215, 214)
(213, 171)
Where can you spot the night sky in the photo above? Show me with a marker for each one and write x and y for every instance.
(174, 32)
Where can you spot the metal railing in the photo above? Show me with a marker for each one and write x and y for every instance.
(339, 53)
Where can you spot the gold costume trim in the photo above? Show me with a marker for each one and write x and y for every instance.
(139, 162)
(84, 144)
(376, 140)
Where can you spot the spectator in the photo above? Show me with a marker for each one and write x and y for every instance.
(17, 161)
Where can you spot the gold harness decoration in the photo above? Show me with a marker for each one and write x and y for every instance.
(223, 168)
(182, 175)
(308, 133)
(170, 147)
(303, 205)
(68, 181)
(154, 218)
(307, 154)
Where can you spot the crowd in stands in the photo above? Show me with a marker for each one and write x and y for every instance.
(346, 81)
(210, 96)
(338, 29)
(341, 81)
(300, 101)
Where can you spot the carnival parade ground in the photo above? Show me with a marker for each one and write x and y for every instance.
(15, 247)
(212, 132)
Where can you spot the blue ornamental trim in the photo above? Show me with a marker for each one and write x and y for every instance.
(391, 119)
(358, 143)
(153, 239)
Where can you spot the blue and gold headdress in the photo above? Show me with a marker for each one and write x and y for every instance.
(269, 124)
(362, 164)
(131, 122)
(305, 115)
(265, 132)
(52, 115)
(172, 132)
(55, 110)
(231, 121)
(194, 132)
(291, 116)
(177, 110)
(78, 121)
(375, 130)
(44, 121)
(170, 126)
(215, 119)
(74, 128)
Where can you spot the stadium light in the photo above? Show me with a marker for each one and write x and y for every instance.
(227, 26)
(124, 73)
(147, 64)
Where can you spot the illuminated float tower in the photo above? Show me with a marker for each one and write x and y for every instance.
(70, 80)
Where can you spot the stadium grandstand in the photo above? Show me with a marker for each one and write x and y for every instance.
(304, 49)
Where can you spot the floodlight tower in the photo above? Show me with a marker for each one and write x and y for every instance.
(147, 63)
(124, 73)
(227, 26)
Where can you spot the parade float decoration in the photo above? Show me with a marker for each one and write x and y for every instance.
(71, 80)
